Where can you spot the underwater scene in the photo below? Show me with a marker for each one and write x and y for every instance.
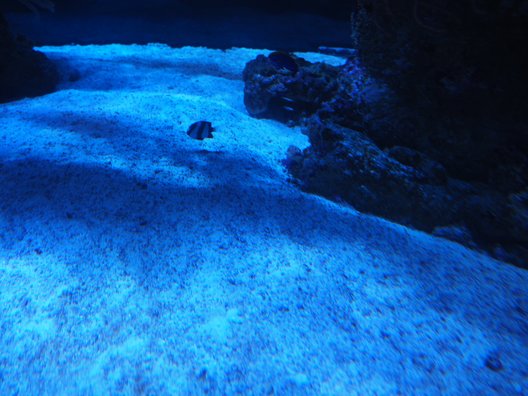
(313, 197)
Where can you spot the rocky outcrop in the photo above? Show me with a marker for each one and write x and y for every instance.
(24, 72)
(287, 88)
(372, 148)
(345, 164)
(460, 66)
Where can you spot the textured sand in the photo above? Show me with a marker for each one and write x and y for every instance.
(136, 260)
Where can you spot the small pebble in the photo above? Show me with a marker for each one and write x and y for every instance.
(202, 375)
(493, 362)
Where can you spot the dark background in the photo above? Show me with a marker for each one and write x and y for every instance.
(286, 25)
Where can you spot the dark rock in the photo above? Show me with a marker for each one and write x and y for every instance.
(345, 163)
(457, 71)
(432, 171)
(455, 233)
(518, 214)
(372, 150)
(284, 94)
(423, 126)
(24, 72)
(294, 158)
(500, 253)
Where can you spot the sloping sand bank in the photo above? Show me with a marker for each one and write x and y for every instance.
(134, 259)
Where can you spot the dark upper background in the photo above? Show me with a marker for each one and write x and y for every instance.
(286, 25)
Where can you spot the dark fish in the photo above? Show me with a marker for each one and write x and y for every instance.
(201, 130)
(283, 60)
(284, 108)
(289, 104)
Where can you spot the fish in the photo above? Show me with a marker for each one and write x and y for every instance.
(283, 61)
(288, 104)
(201, 130)
(285, 108)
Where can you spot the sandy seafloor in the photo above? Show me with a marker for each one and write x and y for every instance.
(135, 260)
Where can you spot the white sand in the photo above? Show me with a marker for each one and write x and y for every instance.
(136, 260)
